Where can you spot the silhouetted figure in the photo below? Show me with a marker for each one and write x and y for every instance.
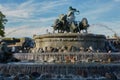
(5, 55)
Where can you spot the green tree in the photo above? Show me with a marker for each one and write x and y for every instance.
(3, 21)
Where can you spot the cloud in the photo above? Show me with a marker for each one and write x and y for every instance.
(52, 4)
(15, 11)
(30, 11)
(34, 16)
(31, 21)
(42, 19)
(96, 12)
(28, 8)
(117, 0)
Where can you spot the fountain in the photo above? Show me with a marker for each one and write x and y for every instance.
(62, 54)
(70, 39)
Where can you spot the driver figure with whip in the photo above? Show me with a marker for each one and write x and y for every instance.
(70, 14)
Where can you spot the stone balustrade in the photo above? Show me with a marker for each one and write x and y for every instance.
(69, 56)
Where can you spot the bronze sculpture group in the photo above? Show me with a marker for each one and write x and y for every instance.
(66, 22)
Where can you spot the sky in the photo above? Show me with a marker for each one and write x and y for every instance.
(34, 17)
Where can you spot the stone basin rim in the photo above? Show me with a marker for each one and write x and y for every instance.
(56, 35)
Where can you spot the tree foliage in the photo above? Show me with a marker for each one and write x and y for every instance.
(3, 21)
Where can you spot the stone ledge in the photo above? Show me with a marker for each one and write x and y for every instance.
(65, 35)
